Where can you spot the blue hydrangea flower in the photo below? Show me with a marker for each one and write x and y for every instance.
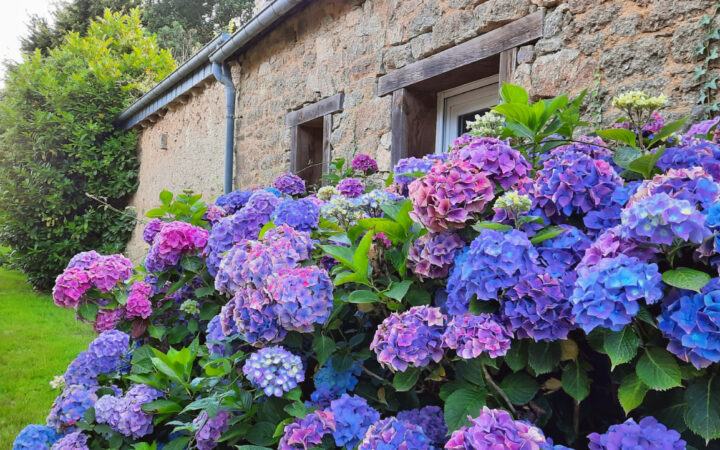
(215, 336)
(35, 437)
(406, 169)
(290, 184)
(692, 153)
(70, 406)
(124, 414)
(392, 433)
(608, 294)
(251, 313)
(493, 262)
(496, 429)
(353, 417)
(302, 433)
(303, 297)
(274, 370)
(302, 215)
(233, 201)
(330, 384)
(104, 355)
(432, 421)
(84, 260)
(256, 213)
(660, 219)
(647, 434)
(210, 430)
(72, 441)
(562, 253)
(274, 191)
(373, 201)
(692, 324)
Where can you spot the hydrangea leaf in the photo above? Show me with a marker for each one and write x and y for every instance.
(404, 381)
(703, 413)
(517, 358)
(462, 403)
(620, 135)
(657, 368)
(520, 387)
(621, 346)
(543, 356)
(631, 392)
(398, 289)
(511, 93)
(686, 278)
(363, 296)
(546, 233)
(646, 163)
(485, 224)
(667, 130)
(261, 433)
(575, 381)
(88, 311)
(625, 155)
(323, 347)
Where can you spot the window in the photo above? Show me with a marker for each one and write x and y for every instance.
(310, 129)
(457, 106)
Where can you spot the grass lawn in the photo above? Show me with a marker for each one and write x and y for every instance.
(37, 341)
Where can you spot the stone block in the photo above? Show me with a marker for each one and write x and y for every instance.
(641, 57)
(495, 13)
(525, 54)
(626, 25)
(560, 72)
(453, 28)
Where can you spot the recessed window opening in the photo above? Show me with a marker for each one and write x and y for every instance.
(310, 152)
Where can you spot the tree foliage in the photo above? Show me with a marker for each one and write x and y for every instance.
(58, 143)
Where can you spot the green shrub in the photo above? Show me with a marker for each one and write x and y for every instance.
(58, 142)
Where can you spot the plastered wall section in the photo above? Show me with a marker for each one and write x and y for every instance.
(194, 158)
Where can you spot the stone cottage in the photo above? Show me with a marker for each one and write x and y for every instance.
(307, 81)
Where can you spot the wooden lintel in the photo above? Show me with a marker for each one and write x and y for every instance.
(318, 109)
(514, 34)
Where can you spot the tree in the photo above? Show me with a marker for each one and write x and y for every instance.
(58, 142)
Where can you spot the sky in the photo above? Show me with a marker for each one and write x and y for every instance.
(14, 16)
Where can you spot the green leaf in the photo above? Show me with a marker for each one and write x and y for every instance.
(543, 357)
(162, 406)
(668, 130)
(461, 403)
(686, 278)
(703, 413)
(485, 224)
(363, 296)
(631, 392)
(88, 311)
(342, 254)
(156, 213)
(166, 197)
(267, 227)
(547, 233)
(360, 257)
(625, 155)
(178, 444)
(296, 409)
(646, 163)
(575, 381)
(520, 387)
(517, 358)
(620, 135)
(516, 112)
(398, 290)
(323, 347)
(417, 296)
(621, 346)
(511, 93)
(404, 381)
(471, 370)
(658, 369)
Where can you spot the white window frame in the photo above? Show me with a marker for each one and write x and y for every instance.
(452, 103)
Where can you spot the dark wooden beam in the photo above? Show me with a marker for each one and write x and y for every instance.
(514, 34)
(508, 62)
(318, 109)
(413, 124)
(327, 148)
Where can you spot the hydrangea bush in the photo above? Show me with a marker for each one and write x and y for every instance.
(530, 289)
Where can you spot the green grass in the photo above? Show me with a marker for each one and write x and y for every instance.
(37, 341)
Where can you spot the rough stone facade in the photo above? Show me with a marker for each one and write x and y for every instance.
(332, 46)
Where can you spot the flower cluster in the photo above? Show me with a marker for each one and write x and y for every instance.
(138, 302)
(152, 229)
(233, 201)
(638, 100)
(84, 260)
(351, 187)
(371, 203)
(406, 170)
(252, 315)
(471, 335)
(495, 428)
(331, 384)
(432, 421)
(344, 210)
(214, 213)
(255, 214)
(694, 185)
(648, 433)
(302, 215)
(72, 441)
(412, 338)
(325, 193)
(449, 194)
(210, 429)
(512, 201)
(487, 125)
(660, 219)
(175, 240)
(607, 294)
(498, 161)
(562, 253)
(303, 297)
(394, 433)
(432, 254)
(611, 243)
(35, 437)
(692, 154)
(303, 433)
(353, 417)
(71, 286)
(290, 184)
(364, 163)
(494, 261)
(274, 370)
(104, 355)
(124, 414)
(107, 319)
(70, 406)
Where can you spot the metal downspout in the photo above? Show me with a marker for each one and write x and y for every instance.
(221, 71)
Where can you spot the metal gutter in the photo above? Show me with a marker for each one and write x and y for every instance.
(222, 73)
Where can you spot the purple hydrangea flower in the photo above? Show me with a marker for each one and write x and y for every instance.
(648, 433)
(372, 202)
(301, 434)
(607, 294)
(414, 337)
(392, 433)
(35, 437)
(538, 308)
(70, 406)
(573, 182)
(494, 261)
(405, 169)
(215, 337)
(255, 214)
(692, 324)
(290, 184)
(274, 370)
(353, 417)
(496, 159)
(703, 127)
(214, 213)
(660, 219)
(72, 441)
(209, 430)
(692, 153)
(351, 187)
(449, 194)
(175, 240)
(152, 229)
(694, 185)
(124, 414)
(107, 271)
(364, 163)
(251, 313)
(302, 215)
(562, 253)
(594, 147)
(303, 297)
(71, 286)
(471, 335)
(103, 356)
(84, 260)
(330, 384)
(138, 302)
(610, 244)
(495, 428)
(107, 319)
(233, 201)
(432, 421)
(432, 254)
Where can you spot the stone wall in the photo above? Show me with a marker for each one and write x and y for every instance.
(194, 158)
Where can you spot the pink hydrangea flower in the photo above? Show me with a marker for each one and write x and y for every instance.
(71, 286)
(471, 335)
(107, 319)
(109, 270)
(138, 302)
